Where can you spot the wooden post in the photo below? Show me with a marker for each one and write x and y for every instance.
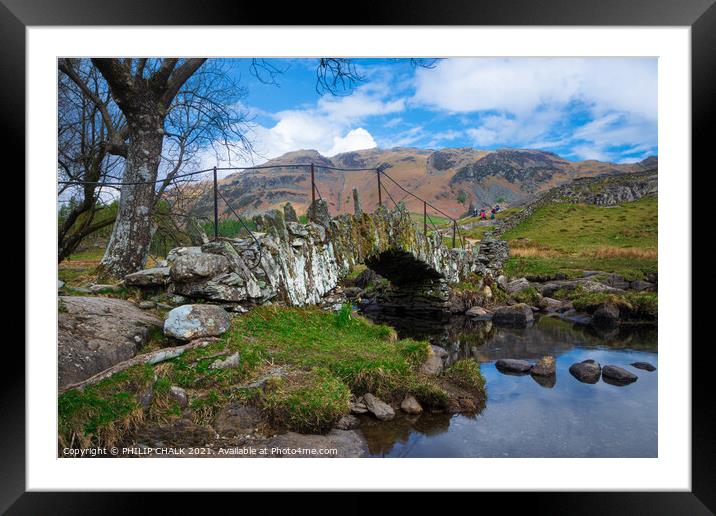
(425, 218)
(216, 207)
(380, 197)
(313, 185)
(454, 230)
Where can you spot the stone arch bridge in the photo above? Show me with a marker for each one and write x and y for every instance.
(298, 264)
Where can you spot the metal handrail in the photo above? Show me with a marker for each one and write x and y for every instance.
(314, 189)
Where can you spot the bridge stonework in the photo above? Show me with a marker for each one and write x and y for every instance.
(298, 264)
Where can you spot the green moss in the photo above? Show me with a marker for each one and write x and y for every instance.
(355, 272)
(473, 282)
(309, 402)
(528, 296)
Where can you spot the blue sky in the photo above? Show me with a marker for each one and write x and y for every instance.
(579, 108)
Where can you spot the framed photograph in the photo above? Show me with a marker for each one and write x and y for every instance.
(449, 249)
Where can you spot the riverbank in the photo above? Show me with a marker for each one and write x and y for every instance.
(277, 371)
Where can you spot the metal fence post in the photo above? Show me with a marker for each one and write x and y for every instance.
(380, 197)
(425, 218)
(216, 207)
(313, 185)
(454, 230)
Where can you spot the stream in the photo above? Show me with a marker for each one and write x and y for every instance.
(524, 418)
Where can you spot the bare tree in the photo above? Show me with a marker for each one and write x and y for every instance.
(83, 160)
(154, 116)
(168, 111)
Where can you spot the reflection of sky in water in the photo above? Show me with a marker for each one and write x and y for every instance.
(524, 419)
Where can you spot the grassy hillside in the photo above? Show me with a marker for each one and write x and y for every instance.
(570, 238)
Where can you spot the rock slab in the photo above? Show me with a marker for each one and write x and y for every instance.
(189, 322)
(95, 333)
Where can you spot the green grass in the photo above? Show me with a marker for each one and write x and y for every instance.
(365, 356)
(436, 220)
(466, 373)
(570, 238)
(643, 306)
(93, 254)
(355, 272)
(328, 356)
(101, 413)
(230, 228)
(528, 296)
(310, 402)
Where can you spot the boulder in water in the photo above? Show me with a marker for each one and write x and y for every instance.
(546, 366)
(410, 405)
(606, 316)
(519, 315)
(378, 408)
(616, 375)
(479, 314)
(513, 366)
(587, 371)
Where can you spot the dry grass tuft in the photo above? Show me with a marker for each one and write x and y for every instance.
(621, 252)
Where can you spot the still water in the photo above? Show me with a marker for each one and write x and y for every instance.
(523, 418)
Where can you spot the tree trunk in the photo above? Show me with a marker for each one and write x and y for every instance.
(128, 246)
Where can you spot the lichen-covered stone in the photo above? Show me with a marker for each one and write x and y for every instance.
(357, 208)
(289, 213)
(318, 213)
(195, 266)
(299, 264)
(154, 277)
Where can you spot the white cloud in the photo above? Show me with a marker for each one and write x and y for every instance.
(504, 129)
(522, 85)
(530, 102)
(331, 127)
(404, 138)
(356, 139)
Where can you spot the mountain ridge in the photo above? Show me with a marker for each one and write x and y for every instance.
(452, 179)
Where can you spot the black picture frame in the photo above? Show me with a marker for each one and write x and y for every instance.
(700, 15)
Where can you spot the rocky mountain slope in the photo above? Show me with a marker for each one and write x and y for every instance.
(451, 179)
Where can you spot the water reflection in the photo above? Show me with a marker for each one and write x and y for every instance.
(466, 338)
(532, 416)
